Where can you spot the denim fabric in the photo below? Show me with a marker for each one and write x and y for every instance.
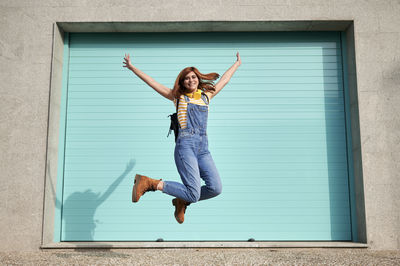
(193, 159)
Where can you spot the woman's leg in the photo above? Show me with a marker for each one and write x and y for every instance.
(210, 175)
(188, 168)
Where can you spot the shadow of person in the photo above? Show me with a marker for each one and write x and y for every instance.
(78, 223)
(82, 227)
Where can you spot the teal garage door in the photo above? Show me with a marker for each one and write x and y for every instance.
(276, 131)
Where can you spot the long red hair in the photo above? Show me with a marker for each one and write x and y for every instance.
(206, 81)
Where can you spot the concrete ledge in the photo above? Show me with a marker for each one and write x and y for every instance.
(199, 26)
(261, 244)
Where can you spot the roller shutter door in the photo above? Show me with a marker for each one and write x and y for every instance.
(276, 132)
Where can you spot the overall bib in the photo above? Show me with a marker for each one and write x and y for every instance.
(193, 159)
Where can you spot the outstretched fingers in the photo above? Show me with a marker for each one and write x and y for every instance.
(238, 58)
(127, 60)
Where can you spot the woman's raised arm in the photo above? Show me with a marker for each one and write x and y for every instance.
(161, 89)
(227, 75)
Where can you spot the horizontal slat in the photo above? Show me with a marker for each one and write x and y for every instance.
(227, 198)
(113, 73)
(272, 158)
(138, 235)
(244, 92)
(141, 220)
(166, 59)
(267, 149)
(247, 148)
(254, 131)
(276, 114)
(210, 52)
(287, 94)
(228, 177)
(174, 68)
(239, 79)
(240, 109)
(103, 185)
(236, 176)
(229, 180)
(244, 140)
(215, 227)
(293, 212)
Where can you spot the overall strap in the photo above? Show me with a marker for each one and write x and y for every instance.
(207, 102)
(177, 104)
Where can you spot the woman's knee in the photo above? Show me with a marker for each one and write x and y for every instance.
(217, 189)
(193, 196)
(214, 189)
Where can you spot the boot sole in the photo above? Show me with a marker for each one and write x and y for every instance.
(137, 180)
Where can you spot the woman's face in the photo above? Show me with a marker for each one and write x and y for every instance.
(191, 82)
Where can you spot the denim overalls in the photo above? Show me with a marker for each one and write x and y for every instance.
(193, 159)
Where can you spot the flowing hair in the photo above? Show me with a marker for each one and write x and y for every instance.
(205, 81)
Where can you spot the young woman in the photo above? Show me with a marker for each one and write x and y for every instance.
(192, 157)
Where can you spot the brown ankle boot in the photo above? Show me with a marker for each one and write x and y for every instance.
(142, 185)
(180, 209)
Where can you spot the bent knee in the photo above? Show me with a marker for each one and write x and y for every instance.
(193, 196)
(216, 190)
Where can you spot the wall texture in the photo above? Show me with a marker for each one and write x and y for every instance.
(25, 65)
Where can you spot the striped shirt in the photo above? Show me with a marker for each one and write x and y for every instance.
(182, 109)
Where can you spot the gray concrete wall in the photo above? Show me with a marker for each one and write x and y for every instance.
(26, 63)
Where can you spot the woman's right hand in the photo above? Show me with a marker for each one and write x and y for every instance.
(127, 62)
(238, 58)
(161, 89)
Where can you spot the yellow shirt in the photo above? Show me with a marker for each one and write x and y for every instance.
(182, 108)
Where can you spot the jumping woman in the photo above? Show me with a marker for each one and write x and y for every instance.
(192, 157)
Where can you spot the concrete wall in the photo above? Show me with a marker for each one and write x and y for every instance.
(29, 68)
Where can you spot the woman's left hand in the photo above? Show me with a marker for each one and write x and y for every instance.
(238, 58)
